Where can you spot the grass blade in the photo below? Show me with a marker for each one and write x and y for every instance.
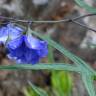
(56, 66)
(38, 90)
(82, 4)
(88, 82)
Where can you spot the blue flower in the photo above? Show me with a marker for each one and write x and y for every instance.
(9, 31)
(27, 49)
(23, 48)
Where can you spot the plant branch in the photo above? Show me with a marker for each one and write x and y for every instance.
(47, 21)
(74, 20)
(84, 26)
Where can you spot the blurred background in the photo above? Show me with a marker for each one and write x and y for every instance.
(75, 38)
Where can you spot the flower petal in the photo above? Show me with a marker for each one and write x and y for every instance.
(14, 31)
(3, 34)
(17, 53)
(43, 50)
(10, 30)
(31, 56)
(13, 44)
(32, 42)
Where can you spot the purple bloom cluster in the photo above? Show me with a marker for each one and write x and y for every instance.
(22, 47)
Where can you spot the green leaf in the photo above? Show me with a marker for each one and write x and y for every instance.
(88, 82)
(84, 66)
(26, 92)
(83, 4)
(55, 66)
(62, 83)
(50, 54)
(38, 90)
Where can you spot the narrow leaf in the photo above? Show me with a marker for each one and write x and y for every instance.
(38, 90)
(50, 54)
(56, 66)
(83, 4)
(26, 92)
(88, 82)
